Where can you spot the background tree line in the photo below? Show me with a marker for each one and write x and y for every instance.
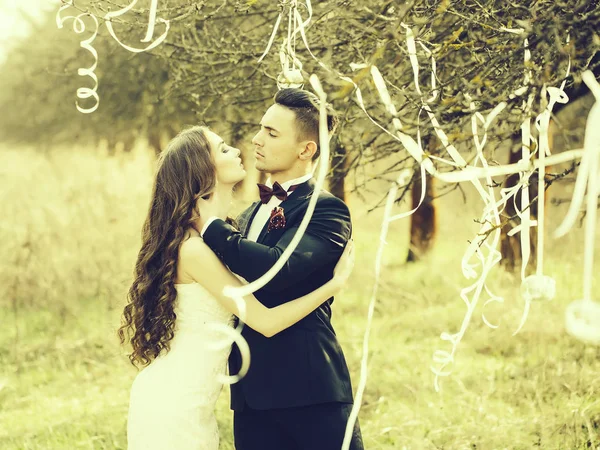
(207, 71)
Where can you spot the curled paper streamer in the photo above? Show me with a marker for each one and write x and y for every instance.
(291, 67)
(290, 79)
(466, 173)
(525, 213)
(486, 254)
(234, 335)
(411, 146)
(535, 288)
(476, 172)
(79, 27)
(384, 95)
(362, 384)
(412, 56)
(492, 299)
(538, 288)
(272, 38)
(414, 62)
(151, 21)
(402, 180)
(523, 210)
(150, 31)
(590, 153)
(512, 30)
(582, 317)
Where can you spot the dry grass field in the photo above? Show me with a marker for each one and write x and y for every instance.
(69, 233)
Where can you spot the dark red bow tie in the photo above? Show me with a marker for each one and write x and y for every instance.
(266, 193)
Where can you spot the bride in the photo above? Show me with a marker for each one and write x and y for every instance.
(176, 300)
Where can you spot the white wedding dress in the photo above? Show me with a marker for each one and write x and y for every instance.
(173, 399)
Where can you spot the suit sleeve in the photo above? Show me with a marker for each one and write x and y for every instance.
(321, 245)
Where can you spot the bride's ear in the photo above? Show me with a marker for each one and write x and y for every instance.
(199, 196)
(210, 194)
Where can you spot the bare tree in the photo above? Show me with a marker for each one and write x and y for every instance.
(207, 70)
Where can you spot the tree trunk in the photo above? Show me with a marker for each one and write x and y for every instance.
(111, 144)
(423, 220)
(154, 141)
(337, 179)
(128, 142)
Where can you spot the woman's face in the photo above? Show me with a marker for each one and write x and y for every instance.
(227, 160)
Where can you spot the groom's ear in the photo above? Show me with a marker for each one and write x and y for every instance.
(307, 153)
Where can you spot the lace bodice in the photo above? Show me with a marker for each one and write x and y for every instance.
(195, 306)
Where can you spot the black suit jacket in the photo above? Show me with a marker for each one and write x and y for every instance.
(304, 364)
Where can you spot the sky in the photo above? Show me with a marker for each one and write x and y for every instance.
(13, 25)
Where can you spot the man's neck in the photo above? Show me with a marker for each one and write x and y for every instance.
(283, 177)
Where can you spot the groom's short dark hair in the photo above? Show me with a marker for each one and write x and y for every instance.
(306, 107)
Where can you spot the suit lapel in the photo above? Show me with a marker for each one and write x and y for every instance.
(247, 218)
(295, 200)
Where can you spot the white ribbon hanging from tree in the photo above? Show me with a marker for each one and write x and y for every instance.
(79, 27)
(150, 30)
(291, 66)
(582, 317)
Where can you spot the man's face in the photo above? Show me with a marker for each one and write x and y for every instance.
(276, 146)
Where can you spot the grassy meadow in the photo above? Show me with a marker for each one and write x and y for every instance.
(69, 235)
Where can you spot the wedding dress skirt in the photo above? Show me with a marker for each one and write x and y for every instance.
(172, 400)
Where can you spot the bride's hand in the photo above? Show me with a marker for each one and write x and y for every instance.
(344, 267)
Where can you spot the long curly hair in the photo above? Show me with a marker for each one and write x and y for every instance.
(185, 172)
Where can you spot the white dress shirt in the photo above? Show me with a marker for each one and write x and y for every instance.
(264, 211)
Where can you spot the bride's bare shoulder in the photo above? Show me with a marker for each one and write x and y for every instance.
(193, 248)
(198, 262)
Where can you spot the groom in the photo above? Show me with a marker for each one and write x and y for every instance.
(297, 393)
